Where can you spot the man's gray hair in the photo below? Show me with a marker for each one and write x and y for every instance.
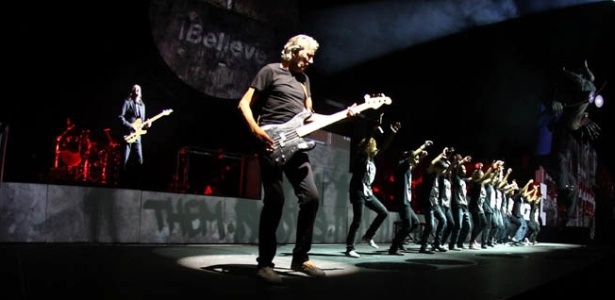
(296, 44)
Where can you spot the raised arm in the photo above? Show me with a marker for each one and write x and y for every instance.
(486, 176)
(504, 180)
(387, 142)
(510, 187)
(440, 156)
(459, 159)
(492, 171)
(420, 149)
(525, 190)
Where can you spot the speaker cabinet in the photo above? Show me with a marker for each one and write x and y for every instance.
(217, 173)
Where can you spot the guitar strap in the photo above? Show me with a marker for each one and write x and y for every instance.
(138, 110)
(304, 91)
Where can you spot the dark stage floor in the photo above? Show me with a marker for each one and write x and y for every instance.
(43, 271)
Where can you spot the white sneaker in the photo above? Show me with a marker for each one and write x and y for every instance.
(353, 253)
(269, 275)
(371, 243)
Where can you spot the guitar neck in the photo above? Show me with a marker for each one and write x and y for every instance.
(328, 120)
(156, 117)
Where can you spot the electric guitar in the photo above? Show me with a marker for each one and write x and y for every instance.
(138, 124)
(288, 139)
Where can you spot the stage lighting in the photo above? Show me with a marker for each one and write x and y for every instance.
(596, 99)
(599, 101)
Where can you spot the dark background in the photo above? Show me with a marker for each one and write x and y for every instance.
(477, 90)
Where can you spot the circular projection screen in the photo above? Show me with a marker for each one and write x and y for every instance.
(213, 50)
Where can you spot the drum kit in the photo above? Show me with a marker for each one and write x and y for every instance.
(81, 158)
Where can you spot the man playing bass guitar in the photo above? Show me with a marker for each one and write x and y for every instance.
(282, 91)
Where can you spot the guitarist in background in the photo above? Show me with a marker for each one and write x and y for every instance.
(133, 109)
(281, 91)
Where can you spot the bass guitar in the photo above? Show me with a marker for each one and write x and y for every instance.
(138, 125)
(288, 137)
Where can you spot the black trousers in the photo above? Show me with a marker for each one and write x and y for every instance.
(299, 172)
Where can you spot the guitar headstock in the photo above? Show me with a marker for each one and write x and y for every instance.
(167, 112)
(375, 101)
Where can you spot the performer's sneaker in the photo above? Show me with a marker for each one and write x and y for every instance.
(394, 249)
(424, 250)
(268, 275)
(309, 268)
(352, 253)
(438, 249)
(370, 242)
(453, 248)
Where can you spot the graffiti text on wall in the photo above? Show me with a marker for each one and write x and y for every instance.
(190, 218)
